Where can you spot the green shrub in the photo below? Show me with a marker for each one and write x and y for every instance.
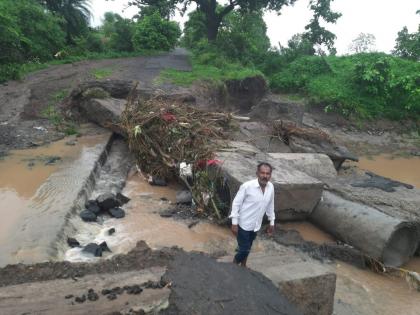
(154, 33)
(297, 74)
(365, 85)
(9, 71)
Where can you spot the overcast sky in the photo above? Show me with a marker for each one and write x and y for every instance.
(382, 18)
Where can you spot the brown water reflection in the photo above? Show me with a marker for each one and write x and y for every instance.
(406, 170)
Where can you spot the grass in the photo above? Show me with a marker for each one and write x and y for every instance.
(55, 116)
(101, 73)
(202, 72)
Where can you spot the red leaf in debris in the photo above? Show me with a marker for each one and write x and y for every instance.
(213, 162)
(168, 117)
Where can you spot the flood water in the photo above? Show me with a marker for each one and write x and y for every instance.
(30, 183)
(143, 222)
(406, 170)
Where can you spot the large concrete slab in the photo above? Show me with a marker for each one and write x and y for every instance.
(48, 297)
(306, 283)
(36, 234)
(296, 193)
(314, 164)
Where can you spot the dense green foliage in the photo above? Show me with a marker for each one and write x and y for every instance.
(36, 32)
(365, 85)
(155, 33)
(28, 32)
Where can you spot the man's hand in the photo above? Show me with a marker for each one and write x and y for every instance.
(234, 229)
(270, 230)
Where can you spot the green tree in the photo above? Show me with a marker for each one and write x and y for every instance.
(316, 34)
(215, 12)
(119, 32)
(407, 45)
(154, 33)
(76, 14)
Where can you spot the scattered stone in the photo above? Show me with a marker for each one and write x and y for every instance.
(31, 164)
(117, 290)
(107, 201)
(72, 242)
(52, 160)
(106, 291)
(88, 216)
(92, 295)
(80, 299)
(94, 249)
(104, 247)
(111, 296)
(71, 142)
(117, 213)
(155, 181)
(111, 231)
(184, 197)
(69, 296)
(134, 289)
(164, 199)
(122, 199)
(92, 205)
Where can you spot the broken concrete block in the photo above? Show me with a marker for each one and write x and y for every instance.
(314, 164)
(296, 193)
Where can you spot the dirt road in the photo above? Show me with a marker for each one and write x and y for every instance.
(23, 103)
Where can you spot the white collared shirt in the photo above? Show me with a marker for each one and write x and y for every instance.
(251, 203)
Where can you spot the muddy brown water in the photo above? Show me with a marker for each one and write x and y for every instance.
(22, 173)
(406, 170)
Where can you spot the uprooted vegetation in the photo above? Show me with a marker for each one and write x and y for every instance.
(172, 140)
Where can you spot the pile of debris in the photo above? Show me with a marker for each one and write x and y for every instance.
(162, 134)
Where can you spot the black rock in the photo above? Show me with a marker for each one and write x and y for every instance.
(80, 299)
(164, 199)
(88, 216)
(92, 205)
(111, 296)
(107, 201)
(134, 289)
(117, 213)
(92, 295)
(156, 181)
(104, 247)
(111, 231)
(72, 242)
(122, 199)
(94, 249)
(117, 290)
(184, 197)
(106, 291)
(69, 296)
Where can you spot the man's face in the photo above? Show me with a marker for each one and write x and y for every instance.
(264, 175)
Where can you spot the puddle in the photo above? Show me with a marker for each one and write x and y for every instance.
(308, 232)
(406, 170)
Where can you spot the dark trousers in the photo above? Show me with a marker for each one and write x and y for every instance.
(245, 240)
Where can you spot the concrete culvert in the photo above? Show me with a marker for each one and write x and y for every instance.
(378, 235)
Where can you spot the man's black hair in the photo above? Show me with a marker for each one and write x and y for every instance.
(265, 164)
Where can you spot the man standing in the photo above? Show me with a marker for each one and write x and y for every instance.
(253, 199)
